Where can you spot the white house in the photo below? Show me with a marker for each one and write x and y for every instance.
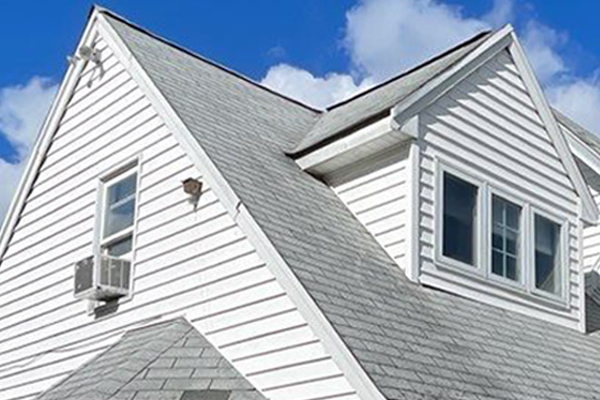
(182, 232)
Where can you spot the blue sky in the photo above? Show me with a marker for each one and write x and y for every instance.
(319, 51)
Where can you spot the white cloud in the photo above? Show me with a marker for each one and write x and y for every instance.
(385, 37)
(22, 111)
(576, 96)
(542, 44)
(580, 100)
(501, 13)
(304, 86)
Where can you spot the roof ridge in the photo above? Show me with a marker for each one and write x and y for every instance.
(206, 60)
(409, 71)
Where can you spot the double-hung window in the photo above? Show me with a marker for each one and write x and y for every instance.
(118, 214)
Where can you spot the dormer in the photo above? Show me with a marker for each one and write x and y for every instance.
(461, 172)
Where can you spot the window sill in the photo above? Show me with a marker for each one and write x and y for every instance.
(479, 280)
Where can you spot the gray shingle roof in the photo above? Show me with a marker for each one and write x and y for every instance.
(583, 134)
(352, 113)
(169, 360)
(414, 342)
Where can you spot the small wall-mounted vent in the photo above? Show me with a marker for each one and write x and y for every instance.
(102, 278)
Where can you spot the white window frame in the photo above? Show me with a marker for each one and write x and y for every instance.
(524, 233)
(564, 250)
(441, 259)
(482, 270)
(129, 231)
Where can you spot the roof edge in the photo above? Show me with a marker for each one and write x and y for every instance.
(295, 153)
(409, 71)
(213, 63)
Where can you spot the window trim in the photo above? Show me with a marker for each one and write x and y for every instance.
(564, 249)
(441, 259)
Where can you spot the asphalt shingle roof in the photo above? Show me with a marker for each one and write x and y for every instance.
(165, 361)
(414, 342)
(346, 116)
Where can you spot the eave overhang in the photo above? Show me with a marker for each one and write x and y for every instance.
(363, 143)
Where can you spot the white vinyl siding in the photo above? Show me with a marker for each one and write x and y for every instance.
(379, 200)
(488, 126)
(193, 263)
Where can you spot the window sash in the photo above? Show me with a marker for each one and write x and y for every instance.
(109, 239)
(502, 227)
(461, 217)
(550, 248)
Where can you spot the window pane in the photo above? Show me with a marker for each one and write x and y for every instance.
(497, 262)
(505, 238)
(120, 206)
(120, 247)
(460, 207)
(547, 259)
(513, 214)
(497, 237)
(511, 267)
(511, 241)
(119, 218)
(122, 189)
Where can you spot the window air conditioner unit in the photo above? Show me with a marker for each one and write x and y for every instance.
(102, 278)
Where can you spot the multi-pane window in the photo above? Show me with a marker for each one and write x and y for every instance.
(119, 212)
(507, 242)
(547, 255)
(460, 215)
(506, 218)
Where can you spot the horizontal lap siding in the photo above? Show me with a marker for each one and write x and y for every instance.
(379, 201)
(197, 263)
(488, 123)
